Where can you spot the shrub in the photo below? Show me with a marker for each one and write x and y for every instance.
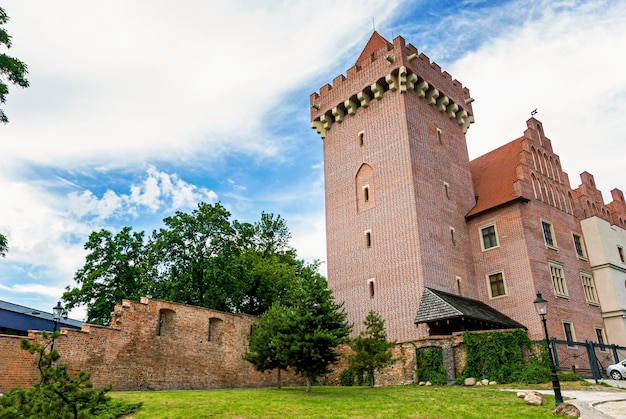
(347, 377)
(429, 362)
(57, 395)
(500, 356)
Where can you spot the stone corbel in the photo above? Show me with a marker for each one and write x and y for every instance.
(392, 81)
(326, 120)
(431, 96)
(442, 103)
(338, 113)
(378, 91)
(364, 99)
(319, 127)
(452, 110)
(411, 80)
(421, 88)
(350, 106)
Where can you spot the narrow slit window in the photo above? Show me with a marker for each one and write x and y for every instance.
(452, 236)
(370, 287)
(366, 193)
(439, 135)
(368, 238)
(362, 138)
(620, 250)
(446, 187)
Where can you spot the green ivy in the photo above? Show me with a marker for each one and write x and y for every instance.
(429, 363)
(499, 356)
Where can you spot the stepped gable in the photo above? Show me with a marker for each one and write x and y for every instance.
(383, 67)
(494, 175)
(618, 208)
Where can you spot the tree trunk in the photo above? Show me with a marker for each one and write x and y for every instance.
(308, 385)
(371, 374)
(279, 382)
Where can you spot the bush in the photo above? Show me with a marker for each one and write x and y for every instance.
(500, 356)
(346, 378)
(57, 395)
(429, 362)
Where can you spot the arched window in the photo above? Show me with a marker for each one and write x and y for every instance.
(364, 188)
(215, 329)
(534, 180)
(534, 153)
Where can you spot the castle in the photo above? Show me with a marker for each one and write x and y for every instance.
(437, 243)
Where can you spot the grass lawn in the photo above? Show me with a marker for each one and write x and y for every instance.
(338, 402)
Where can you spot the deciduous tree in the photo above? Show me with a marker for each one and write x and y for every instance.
(4, 245)
(372, 351)
(12, 70)
(115, 269)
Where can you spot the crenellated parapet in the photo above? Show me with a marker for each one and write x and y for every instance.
(390, 69)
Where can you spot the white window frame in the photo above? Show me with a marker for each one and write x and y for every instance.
(488, 277)
(581, 240)
(571, 328)
(554, 244)
(559, 283)
(482, 238)
(589, 288)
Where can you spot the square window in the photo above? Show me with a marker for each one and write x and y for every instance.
(496, 285)
(489, 237)
(548, 234)
(589, 288)
(558, 280)
(580, 246)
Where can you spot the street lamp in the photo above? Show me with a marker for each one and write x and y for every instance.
(541, 305)
(57, 312)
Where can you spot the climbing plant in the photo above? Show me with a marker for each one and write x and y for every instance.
(504, 357)
(429, 365)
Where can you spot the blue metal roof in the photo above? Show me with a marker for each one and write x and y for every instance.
(14, 316)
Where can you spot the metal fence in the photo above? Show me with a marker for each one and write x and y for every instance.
(586, 359)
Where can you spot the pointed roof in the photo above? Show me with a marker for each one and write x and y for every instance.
(439, 305)
(494, 175)
(375, 43)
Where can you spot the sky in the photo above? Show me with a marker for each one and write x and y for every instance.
(138, 109)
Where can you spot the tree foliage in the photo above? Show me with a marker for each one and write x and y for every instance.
(372, 351)
(4, 245)
(200, 258)
(12, 70)
(301, 331)
(57, 395)
(114, 269)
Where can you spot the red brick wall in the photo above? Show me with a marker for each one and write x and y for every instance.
(409, 214)
(131, 356)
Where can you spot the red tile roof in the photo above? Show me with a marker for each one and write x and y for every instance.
(494, 175)
(375, 43)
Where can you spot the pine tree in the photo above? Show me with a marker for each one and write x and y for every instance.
(372, 351)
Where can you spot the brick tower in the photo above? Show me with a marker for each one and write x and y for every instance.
(398, 184)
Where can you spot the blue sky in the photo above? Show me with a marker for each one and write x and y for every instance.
(140, 109)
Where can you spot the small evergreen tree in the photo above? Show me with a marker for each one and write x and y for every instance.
(265, 351)
(57, 395)
(372, 351)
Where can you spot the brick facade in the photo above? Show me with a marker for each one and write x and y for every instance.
(405, 207)
(150, 345)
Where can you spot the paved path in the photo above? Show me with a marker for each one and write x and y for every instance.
(607, 403)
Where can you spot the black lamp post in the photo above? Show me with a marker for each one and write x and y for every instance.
(541, 306)
(57, 312)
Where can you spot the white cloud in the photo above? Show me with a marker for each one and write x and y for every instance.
(567, 62)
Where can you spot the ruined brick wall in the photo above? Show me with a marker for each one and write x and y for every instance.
(150, 345)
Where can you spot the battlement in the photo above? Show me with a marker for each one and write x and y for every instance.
(384, 67)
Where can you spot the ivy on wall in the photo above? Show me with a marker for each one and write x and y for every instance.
(504, 357)
(429, 365)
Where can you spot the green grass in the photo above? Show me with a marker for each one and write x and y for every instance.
(337, 402)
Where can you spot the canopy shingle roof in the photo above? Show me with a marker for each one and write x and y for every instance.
(438, 305)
